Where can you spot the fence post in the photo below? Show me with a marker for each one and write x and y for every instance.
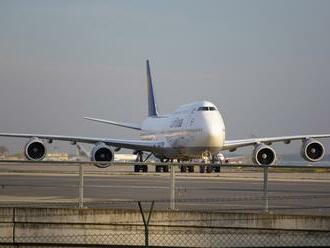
(265, 189)
(14, 225)
(81, 186)
(146, 222)
(172, 188)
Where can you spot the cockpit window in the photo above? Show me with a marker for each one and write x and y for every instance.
(206, 109)
(203, 108)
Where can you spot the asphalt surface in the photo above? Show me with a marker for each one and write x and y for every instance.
(242, 192)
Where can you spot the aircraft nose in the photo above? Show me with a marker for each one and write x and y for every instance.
(213, 130)
(214, 137)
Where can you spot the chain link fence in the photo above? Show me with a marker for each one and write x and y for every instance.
(79, 230)
(53, 227)
(180, 238)
(243, 188)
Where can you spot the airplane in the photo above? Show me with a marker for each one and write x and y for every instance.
(194, 130)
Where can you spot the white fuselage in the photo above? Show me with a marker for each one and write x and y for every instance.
(192, 131)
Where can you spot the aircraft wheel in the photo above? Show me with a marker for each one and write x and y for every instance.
(202, 169)
(158, 168)
(217, 168)
(209, 169)
(191, 168)
(183, 168)
(166, 168)
(145, 168)
(136, 168)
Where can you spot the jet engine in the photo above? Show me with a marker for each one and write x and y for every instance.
(35, 150)
(312, 150)
(263, 155)
(102, 152)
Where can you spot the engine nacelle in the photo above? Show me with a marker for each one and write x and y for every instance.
(35, 150)
(312, 150)
(263, 155)
(102, 152)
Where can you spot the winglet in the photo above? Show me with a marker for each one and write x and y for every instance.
(152, 106)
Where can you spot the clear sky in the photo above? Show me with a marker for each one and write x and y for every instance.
(265, 64)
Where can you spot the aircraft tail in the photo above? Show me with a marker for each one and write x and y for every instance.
(152, 106)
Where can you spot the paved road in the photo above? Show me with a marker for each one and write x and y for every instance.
(202, 193)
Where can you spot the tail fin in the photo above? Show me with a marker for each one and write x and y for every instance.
(151, 97)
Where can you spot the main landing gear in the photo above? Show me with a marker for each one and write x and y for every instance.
(138, 167)
(164, 168)
(144, 168)
(211, 164)
(185, 168)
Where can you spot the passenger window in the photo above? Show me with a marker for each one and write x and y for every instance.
(212, 109)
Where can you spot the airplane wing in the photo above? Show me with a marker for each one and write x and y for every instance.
(232, 145)
(130, 144)
(116, 123)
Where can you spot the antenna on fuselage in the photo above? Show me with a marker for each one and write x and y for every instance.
(152, 106)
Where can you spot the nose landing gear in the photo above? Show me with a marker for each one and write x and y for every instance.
(214, 166)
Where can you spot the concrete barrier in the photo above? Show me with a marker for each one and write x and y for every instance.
(167, 228)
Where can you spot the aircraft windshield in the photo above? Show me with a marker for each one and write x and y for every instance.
(206, 109)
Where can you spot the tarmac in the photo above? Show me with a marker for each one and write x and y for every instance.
(233, 189)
